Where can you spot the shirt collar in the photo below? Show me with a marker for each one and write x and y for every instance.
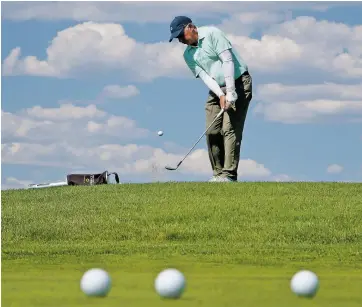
(201, 32)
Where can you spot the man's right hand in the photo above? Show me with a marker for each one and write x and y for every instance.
(223, 102)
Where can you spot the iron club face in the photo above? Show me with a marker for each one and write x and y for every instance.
(173, 168)
(170, 168)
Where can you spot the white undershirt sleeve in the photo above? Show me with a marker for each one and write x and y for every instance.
(228, 68)
(211, 83)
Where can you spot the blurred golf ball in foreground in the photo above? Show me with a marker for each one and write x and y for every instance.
(170, 283)
(305, 283)
(95, 282)
(160, 133)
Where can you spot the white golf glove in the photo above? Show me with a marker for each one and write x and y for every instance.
(231, 97)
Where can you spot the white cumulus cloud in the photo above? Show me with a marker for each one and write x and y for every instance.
(68, 123)
(65, 112)
(303, 44)
(245, 23)
(130, 159)
(328, 46)
(119, 92)
(93, 140)
(96, 46)
(270, 53)
(334, 169)
(309, 103)
(141, 12)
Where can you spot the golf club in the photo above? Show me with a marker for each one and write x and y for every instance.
(175, 168)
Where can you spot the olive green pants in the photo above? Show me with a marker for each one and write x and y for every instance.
(225, 136)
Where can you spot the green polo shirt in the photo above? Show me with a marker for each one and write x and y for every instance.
(205, 56)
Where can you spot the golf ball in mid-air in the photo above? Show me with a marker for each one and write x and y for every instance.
(170, 283)
(305, 283)
(160, 133)
(95, 282)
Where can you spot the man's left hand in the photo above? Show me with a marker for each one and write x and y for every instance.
(231, 97)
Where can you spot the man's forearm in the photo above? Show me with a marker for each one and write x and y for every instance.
(228, 69)
(211, 84)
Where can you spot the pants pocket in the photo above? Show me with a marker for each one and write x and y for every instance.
(247, 87)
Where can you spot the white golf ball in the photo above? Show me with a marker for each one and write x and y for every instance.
(305, 283)
(95, 282)
(170, 283)
(160, 133)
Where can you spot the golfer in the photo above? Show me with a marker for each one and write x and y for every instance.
(210, 57)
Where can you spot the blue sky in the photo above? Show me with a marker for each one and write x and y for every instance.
(304, 122)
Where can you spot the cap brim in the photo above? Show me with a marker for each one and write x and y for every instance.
(174, 35)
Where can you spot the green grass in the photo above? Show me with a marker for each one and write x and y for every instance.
(237, 244)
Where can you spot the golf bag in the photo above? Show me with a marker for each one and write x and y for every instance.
(79, 179)
(90, 179)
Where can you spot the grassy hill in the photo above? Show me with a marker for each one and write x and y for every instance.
(237, 244)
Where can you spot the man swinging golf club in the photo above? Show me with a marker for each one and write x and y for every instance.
(210, 57)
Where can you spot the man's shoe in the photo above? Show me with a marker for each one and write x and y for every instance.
(225, 179)
(214, 179)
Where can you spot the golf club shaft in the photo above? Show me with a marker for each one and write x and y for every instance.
(216, 117)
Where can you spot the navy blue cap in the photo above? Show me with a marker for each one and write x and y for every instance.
(177, 25)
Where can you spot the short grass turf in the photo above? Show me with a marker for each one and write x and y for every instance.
(238, 244)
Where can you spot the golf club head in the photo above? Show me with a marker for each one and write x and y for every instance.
(170, 168)
(173, 168)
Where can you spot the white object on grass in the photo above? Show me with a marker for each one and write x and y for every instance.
(170, 283)
(96, 282)
(47, 185)
(160, 133)
(305, 283)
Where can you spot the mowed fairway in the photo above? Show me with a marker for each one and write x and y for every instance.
(238, 244)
